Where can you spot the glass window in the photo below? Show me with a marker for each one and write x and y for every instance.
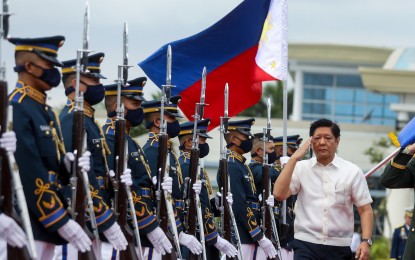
(318, 79)
(314, 94)
(343, 94)
(360, 95)
(360, 110)
(374, 97)
(353, 81)
(344, 109)
(392, 99)
(316, 108)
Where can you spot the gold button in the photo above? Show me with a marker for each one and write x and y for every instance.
(136, 159)
(47, 132)
(97, 145)
(46, 108)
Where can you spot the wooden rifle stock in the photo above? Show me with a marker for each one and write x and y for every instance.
(6, 179)
(161, 206)
(120, 129)
(192, 214)
(78, 131)
(226, 225)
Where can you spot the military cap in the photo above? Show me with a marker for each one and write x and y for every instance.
(92, 68)
(133, 90)
(169, 109)
(202, 125)
(242, 126)
(409, 212)
(293, 141)
(46, 47)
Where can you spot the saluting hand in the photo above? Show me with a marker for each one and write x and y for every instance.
(302, 151)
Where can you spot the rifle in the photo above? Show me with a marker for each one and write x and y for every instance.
(79, 180)
(194, 170)
(10, 178)
(121, 160)
(268, 220)
(227, 216)
(165, 214)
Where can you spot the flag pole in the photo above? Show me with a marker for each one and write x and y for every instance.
(284, 139)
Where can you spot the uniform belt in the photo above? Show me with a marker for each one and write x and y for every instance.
(255, 205)
(144, 191)
(179, 204)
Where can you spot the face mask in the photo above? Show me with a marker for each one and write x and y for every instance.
(94, 94)
(272, 157)
(135, 116)
(173, 129)
(204, 150)
(50, 76)
(246, 145)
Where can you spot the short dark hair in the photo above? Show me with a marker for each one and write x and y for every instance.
(323, 122)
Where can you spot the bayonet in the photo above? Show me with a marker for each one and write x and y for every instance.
(85, 39)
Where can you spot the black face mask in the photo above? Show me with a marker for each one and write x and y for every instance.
(94, 94)
(173, 129)
(135, 116)
(204, 150)
(246, 145)
(50, 76)
(272, 157)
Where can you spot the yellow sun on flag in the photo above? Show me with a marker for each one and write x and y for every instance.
(274, 64)
(267, 27)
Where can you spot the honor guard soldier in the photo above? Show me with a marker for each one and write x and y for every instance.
(247, 210)
(203, 187)
(286, 231)
(151, 235)
(400, 236)
(93, 93)
(152, 119)
(40, 154)
(257, 158)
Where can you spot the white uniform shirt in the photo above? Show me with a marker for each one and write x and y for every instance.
(326, 194)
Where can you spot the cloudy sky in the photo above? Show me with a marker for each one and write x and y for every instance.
(152, 23)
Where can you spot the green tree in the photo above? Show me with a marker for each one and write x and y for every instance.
(275, 91)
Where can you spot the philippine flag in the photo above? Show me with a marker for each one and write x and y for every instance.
(246, 47)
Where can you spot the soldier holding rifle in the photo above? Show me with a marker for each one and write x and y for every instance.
(93, 93)
(40, 152)
(247, 210)
(152, 114)
(151, 235)
(203, 188)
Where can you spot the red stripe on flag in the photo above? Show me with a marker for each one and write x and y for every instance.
(245, 88)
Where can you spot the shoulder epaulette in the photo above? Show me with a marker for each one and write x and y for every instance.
(109, 128)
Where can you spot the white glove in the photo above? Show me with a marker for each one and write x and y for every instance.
(260, 197)
(167, 184)
(83, 161)
(11, 232)
(270, 201)
(116, 237)
(112, 174)
(284, 160)
(197, 186)
(73, 233)
(268, 247)
(159, 240)
(226, 247)
(8, 141)
(126, 177)
(154, 180)
(229, 199)
(190, 242)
